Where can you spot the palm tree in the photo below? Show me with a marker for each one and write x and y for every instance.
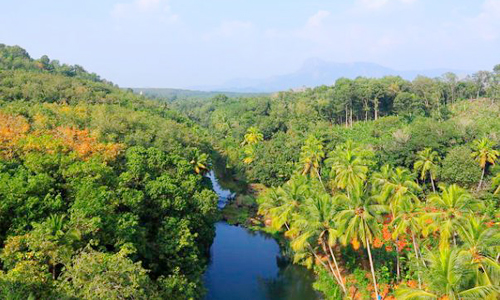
(314, 224)
(348, 165)
(253, 136)
(449, 276)
(358, 220)
(453, 206)
(495, 182)
(289, 198)
(426, 163)
(399, 187)
(485, 154)
(407, 219)
(381, 178)
(200, 162)
(481, 244)
(311, 156)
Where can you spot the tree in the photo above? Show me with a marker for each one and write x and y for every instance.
(481, 244)
(449, 276)
(485, 154)
(96, 275)
(314, 225)
(459, 167)
(426, 163)
(481, 80)
(290, 197)
(453, 205)
(358, 220)
(408, 219)
(451, 81)
(311, 157)
(200, 162)
(348, 165)
(253, 136)
(407, 104)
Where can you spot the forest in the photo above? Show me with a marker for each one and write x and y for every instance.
(386, 188)
(102, 192)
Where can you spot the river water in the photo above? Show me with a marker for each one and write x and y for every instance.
(249, 265)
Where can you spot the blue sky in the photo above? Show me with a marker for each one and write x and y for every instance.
(182, 43)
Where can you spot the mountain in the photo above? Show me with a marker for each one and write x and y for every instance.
(315, 72)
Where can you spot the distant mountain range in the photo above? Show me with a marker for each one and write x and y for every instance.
(315, 72)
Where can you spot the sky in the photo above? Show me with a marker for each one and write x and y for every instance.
(185, 43)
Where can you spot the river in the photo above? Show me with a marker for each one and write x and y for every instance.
(249, 265)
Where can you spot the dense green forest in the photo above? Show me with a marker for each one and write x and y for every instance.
(387, 187)
(102, 193)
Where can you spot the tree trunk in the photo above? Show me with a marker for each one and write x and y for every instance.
(398, 273)
(346, 117)
(337, 267)
(319, 177)
(321, 262)
(416, 256)
(433, 186)
(482, 177)
(337, 276)
(372, 268)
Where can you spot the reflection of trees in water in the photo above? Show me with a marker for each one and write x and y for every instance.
(291, 283)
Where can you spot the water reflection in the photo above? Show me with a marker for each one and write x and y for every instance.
(248, 265)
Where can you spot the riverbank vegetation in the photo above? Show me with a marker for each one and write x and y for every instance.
(102, 191)
(387, 187)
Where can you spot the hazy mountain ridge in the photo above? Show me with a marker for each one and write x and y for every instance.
(315, 72)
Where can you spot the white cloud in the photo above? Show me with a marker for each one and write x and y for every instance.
(316, 19)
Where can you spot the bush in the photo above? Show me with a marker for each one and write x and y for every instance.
(459, 167)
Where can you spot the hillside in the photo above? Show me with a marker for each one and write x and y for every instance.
(180, 94)
(102, 190)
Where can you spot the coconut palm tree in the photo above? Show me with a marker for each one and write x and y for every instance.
(314, 224)
(399, 187)
(485, 154)
(451, 207)
(408, 219)
(426, 163)
(449, 276)
(481, 244)
(381, 178)
(311, 156)
(359, 218)
(253, 136)
(349, 165)
(200, 162)
(290, 196)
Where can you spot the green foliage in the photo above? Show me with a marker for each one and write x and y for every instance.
(459, 167)
(102, 190)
